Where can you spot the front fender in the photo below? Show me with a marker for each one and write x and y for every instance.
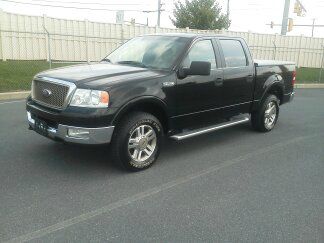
(138, 101)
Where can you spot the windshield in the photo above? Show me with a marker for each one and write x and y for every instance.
(159, 52)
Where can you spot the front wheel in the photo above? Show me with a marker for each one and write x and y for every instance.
(266, 117)
(137, 140)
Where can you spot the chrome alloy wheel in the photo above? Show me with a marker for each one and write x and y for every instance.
(142, 143)
(270, 115)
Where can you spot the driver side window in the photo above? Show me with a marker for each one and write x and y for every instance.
(201, 51)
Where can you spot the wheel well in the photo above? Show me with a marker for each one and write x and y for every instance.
(277, 91)
(150, 107)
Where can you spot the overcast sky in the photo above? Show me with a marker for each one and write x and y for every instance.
(246, 15)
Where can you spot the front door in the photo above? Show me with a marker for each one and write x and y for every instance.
(198, 94)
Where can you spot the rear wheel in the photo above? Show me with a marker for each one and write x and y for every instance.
(136, 142)
(266, 117)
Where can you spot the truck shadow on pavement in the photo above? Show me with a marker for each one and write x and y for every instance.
(85, 159)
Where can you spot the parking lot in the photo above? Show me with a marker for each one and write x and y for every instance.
(227, 186)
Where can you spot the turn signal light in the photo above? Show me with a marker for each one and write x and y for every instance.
(104, 97)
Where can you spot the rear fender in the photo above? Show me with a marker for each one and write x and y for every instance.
(273, 83)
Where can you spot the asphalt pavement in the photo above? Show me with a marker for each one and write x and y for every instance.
(233, 185)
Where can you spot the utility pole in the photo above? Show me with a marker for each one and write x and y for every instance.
(159, 13)
(228, 8)
(285, 18)
(313, 26)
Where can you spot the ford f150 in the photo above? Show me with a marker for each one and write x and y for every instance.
(174, 85)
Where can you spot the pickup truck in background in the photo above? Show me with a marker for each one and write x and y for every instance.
(174, 85)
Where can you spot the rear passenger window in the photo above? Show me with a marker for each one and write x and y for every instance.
(233, 53)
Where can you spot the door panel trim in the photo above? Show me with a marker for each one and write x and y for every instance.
(219, 108)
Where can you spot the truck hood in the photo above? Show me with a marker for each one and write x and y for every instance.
(100, 74)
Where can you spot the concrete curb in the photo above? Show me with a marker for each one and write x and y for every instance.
(309, 86)
(14, 95)
(24, 94)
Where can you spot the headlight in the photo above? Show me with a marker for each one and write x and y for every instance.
(90, 98)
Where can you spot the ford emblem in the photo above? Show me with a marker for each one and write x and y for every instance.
(46, 93)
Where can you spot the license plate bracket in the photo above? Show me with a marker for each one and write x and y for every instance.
(41, 127)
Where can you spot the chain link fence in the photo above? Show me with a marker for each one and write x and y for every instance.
(28, 53)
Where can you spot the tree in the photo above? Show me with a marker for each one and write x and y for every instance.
(199, 14)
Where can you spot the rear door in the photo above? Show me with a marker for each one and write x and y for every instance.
(238, 74)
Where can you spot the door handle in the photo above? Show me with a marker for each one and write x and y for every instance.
(219, 81)
(249, 78)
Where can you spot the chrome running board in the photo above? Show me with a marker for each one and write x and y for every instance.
(193, 133)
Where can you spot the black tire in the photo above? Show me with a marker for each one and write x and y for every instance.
(258, 118)
(128, 126)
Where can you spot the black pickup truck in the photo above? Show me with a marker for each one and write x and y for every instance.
(174, 85)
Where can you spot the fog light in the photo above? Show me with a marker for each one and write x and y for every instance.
(78, 133)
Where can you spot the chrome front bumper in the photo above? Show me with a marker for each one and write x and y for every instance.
(98, 135)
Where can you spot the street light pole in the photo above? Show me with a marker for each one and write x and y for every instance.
(285, 18)
(228, 8)
(159, 13)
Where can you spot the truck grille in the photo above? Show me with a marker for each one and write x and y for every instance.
(50, 94)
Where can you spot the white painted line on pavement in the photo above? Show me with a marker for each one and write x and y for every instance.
(150, 192)
(9, 102)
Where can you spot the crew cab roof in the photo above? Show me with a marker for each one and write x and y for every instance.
(194, 35)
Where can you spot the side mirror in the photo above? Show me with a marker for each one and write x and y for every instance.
(196, 68)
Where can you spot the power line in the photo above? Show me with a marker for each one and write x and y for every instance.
(250, 9)
(95, 3)
(71, 7)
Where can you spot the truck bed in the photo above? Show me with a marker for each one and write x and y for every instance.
(269, 70)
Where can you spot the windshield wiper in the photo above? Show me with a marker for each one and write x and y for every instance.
(133, 63)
